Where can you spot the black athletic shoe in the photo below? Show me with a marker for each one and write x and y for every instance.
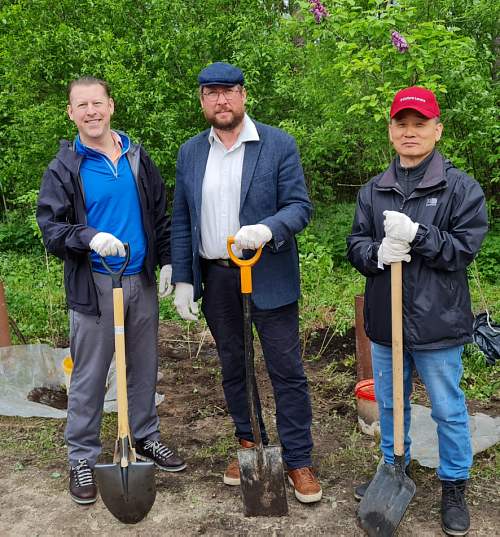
(82, 487)
(360, 490)
(155, 451)
(455, 519)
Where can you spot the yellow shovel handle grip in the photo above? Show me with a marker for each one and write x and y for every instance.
(245, 266)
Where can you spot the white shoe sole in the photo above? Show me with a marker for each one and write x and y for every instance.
(164, 468)
(454, 532)
(306, 498)
(83, 502)
(231, 481)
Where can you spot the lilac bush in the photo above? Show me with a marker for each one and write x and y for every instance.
(318, 10)
(399, 42)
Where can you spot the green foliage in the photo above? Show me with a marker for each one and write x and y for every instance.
(480, 381)
(18, 229)
(35, 296)
(329, 283)
(489, 256)
(349, 71)
(329, 84)
(150, 53)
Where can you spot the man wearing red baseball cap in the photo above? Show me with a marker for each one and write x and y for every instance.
(424, 211)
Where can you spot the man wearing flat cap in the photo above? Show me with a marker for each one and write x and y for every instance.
(243, 178)
(424, 211)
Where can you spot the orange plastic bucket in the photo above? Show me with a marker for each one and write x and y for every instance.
(365, 389)
(368, 415)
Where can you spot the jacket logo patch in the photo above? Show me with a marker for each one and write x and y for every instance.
(431, 202)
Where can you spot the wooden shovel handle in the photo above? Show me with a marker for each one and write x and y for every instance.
(121, 378)
(397, 356)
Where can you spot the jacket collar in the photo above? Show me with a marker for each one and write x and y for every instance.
(72, 160)
(252, 152)
(433, 176)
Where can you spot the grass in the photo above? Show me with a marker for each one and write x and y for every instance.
(222, 448)
(352, 453)
(40, 441)
(36, 441)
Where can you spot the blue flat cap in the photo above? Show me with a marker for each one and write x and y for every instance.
(221, 74)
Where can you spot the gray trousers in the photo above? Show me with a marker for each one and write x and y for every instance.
(92, 346)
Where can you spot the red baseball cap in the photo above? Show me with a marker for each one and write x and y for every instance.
(420, 99)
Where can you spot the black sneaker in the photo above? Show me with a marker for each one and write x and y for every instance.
(164, 458)
(82, 487)
(455, 519)
(360, 490)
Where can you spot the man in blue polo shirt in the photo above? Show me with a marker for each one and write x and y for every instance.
(99, 192)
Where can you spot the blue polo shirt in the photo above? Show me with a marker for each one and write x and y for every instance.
(112, 203)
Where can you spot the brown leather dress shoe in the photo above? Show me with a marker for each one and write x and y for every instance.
(232, 473)
(82, 487)
(306, 485)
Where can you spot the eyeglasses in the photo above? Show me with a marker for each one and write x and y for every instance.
(212, 96)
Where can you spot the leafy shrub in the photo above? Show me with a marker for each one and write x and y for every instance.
(34, 291)
(489, 256)
(329, 84)
(480, 381)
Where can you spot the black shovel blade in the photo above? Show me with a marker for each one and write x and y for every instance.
(262, 481)
(128, 492)
(385, 501)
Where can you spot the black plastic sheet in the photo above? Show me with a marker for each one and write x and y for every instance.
(486, 335)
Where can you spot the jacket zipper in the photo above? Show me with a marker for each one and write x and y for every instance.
(80, 186)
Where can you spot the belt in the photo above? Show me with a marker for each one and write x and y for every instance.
(227, 263)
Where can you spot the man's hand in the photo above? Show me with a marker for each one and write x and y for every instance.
(106, 244)
(252, 237)
(392, 251)
(165, 288)
(184, 303)
(399, 226)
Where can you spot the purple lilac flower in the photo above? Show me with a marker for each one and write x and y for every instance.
(399, 42)
(318, 10)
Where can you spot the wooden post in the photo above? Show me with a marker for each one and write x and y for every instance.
(5, 340)
(363, 349)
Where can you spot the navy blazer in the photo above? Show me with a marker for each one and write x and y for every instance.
(273, 192)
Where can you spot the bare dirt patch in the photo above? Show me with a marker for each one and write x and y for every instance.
(194, 420)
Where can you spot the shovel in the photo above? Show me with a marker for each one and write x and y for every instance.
(127, 487)
(261, 467)
(391, 490)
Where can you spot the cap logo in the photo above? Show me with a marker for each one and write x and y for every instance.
(412, 98)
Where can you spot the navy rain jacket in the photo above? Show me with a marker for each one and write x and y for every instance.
(451, 210)
(62, 218)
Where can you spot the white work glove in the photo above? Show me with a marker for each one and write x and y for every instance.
(186, 307)
(106, 244)
(165, 287)
(392, 251)
(252, 237)
(399, 226)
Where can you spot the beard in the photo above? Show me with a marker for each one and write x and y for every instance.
(228, 125)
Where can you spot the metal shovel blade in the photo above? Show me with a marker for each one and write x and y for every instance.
(385, 501)
(128, 492)
(262, 481)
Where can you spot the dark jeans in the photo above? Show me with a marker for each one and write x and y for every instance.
(278, 331)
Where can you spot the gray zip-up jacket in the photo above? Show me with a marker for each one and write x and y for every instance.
(62, 218)
(451, 210)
